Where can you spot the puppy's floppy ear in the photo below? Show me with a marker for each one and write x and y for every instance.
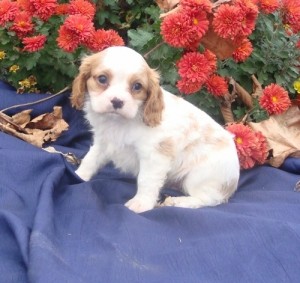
(79, 83)
(154, 103)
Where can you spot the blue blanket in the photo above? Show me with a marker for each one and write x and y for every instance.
(55, 228)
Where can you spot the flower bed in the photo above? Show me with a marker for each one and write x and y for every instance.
(238, 60)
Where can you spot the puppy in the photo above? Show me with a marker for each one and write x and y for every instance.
(146, 131)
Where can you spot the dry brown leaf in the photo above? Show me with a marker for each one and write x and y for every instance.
(282, 133)
(167, 5)
(22, 118)
(44, 128)
(46, 121)
(223, 48)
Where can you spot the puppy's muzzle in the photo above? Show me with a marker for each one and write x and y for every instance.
(117, 103)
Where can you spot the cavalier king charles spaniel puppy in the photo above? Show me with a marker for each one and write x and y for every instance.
(148, 132)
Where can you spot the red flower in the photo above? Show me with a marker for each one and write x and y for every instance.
(35, 43)
(194, 6)
(188, 87)
(227, 20)
(22, 24)
(251, 146)
(250, 12)
(291, 14)
(242, 52)
(102, 39)
(199, 23)
(260, 152)
(184, 30)
(194, 68)
(80, 25)
(27, 6)
(82, 7)
(67, 40)
(44, 9)
(212, 60)
(8, 11)
(62, 9)
(269, 6)
(216, 85)
(231, 21)
(275, 99)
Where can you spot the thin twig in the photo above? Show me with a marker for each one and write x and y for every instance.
(35, 102)
(218, 3)
(8, 120)
(154, 48)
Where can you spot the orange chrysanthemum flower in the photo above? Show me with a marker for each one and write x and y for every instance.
(44, 9)
(194, 68)
(249, 10)
(80, 25)
(291, 14)
(216, 85)
(26, 5)
(67, 40)
(194, 6)
(82, 7)
(212, 60)
(184, 30)
(102, 39)
(175, 30)
(243, 51)
(22, 24)
(231, 21)
(34, 43)
(8, 11)
(227, 20)
(269, 6)
(62, 9)
(188, 87)
(275, 99)
(251, 146)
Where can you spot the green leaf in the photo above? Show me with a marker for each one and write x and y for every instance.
(139, 38)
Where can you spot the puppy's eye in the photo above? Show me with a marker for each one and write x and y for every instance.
(137, 86)
(102, 79)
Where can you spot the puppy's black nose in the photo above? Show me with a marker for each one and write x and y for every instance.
(117, 103)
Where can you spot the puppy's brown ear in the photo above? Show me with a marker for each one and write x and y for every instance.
(154, 104)
(79, 83)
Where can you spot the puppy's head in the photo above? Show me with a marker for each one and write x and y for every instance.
(119, 81)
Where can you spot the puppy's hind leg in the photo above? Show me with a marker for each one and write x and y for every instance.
(202, 191)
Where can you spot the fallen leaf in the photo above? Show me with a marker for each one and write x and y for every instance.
(223, 48)
(44, 128)
(22, 118)
(167, 5)
(282, 133)
(46, 121)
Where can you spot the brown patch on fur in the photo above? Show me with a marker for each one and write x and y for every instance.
(166, 147)
(79, 87)
(221, 143)
(154, 104)
(191, 147)
(142, 93)
(215, 138)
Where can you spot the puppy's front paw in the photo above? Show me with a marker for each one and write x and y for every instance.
(83, 174)
(140, 204)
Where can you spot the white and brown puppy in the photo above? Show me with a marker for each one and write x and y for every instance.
(151, 133)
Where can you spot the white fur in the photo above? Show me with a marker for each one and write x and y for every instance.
(187, 147)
